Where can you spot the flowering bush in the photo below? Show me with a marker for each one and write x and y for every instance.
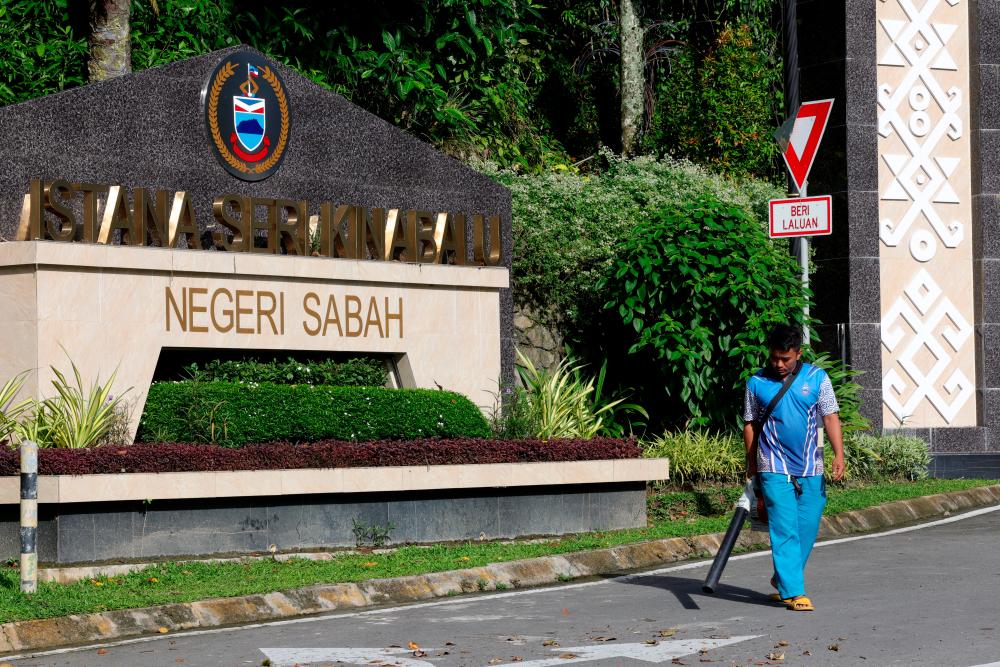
(357, 372)
(175, 457)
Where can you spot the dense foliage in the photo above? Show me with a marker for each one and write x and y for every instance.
(721, 109)
(174, 457)
(697, 289)
(569, 227)
(42, 49)
(238, 414)
(357, 372)
(523, 83)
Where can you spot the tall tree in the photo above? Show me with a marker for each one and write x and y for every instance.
(633, 81)
(110, 42)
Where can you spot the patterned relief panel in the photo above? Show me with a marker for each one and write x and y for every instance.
(925, 218)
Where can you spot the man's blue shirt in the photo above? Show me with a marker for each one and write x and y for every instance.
(789, 442)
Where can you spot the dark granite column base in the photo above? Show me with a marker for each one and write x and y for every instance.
(968, 440)
(133, 530)
(979, 466)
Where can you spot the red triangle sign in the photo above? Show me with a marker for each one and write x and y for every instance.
(807, 132)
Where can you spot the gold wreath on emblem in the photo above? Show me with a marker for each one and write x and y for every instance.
(213, 121)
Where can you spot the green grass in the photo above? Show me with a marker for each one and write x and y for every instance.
(672, 514)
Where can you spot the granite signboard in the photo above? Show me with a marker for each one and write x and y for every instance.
(228, 202)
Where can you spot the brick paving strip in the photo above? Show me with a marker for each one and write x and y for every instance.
(106, 626)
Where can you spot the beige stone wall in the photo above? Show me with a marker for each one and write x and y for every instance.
(113, 308)
(925, 217)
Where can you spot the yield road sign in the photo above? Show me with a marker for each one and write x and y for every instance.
(801, 216)
(803, 139)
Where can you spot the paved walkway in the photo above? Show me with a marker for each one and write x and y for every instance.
(927, 595)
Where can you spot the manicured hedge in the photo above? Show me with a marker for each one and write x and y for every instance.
(175, 457)
(237, 414)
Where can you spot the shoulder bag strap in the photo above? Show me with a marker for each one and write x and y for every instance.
(785, 386)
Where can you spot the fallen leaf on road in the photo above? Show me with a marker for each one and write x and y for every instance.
(565, 611)
(677, 661)
(420, 654)
(179, 660)
(807, 652)
(605, 639)
(651, 642)
(550, 642)
(669, 632)
(776, 656)
(495, 661)
(449, 643)
(782, 643)
(834, 647)
(568, 656)
(163, 630)
(517, 658)
(412, 646)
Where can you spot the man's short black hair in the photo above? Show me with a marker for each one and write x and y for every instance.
(784, 337)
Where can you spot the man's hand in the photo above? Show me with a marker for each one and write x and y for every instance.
(832, 425)
(837, 468)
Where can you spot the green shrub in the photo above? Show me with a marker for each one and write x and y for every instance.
(847, 391)
(886, 457)
(719, 108)
(697, 289)
(512, 416)
(562, 403)
(700, 456)
(357, 372)
(568, 227)
(237, 414)
(75, 417)
(11, 413)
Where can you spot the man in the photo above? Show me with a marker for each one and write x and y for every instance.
(784, 450)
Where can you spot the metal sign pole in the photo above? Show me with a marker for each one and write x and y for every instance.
(804, 263)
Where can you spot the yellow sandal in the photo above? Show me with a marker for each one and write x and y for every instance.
(800, 603)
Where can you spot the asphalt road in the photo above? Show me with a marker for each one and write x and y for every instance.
(925, 596)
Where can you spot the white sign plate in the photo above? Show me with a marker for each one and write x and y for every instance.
(801, 216)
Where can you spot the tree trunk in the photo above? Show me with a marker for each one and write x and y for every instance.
(110, 42)
(633, 80)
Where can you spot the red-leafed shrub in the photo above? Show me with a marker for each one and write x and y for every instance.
(329, 454)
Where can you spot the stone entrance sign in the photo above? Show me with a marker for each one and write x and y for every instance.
(226, 202)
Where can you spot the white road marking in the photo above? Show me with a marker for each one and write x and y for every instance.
(666, 650)
(661, 652)
(992, 664)
(289, 657)
(493, 596)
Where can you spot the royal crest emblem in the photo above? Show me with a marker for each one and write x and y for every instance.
(247, 143)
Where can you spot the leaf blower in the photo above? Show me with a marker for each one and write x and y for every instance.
(750, 504)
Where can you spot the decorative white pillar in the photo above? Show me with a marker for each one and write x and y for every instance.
(925, 214)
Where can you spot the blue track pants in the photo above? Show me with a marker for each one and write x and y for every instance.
(793, 520)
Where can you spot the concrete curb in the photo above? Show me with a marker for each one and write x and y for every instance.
(106, 626)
